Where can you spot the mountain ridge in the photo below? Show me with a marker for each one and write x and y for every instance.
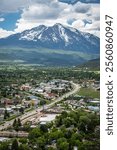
(56, 38)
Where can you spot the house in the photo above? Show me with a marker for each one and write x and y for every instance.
(17, 101)
(25, 87)
(50, 95)
(93, 108)
(48, 88)
(34, 102)
(26, 104)
(39, 90)
(2, 139)
(6, 101)
(9, 110)
(2, 110)
(58, 89)
(32, 97)
(75, 148)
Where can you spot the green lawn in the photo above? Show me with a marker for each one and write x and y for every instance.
(89, 92)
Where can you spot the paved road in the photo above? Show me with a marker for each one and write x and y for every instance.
(7, 124)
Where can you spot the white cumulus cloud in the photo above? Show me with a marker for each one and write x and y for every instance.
(2, 19)
(5, 33)
(49, 12)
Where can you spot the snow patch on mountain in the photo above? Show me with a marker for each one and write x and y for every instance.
(33, 35)
(63, 34)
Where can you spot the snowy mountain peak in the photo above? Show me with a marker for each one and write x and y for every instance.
(57, 37)
(34, 34)
(58, 24)
(62, 32)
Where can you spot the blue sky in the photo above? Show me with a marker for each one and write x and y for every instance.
(19, 15)
(10, 20)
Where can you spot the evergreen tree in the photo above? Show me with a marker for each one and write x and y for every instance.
(14, 145)
(6, 114)
(19, 122)
(14, 123)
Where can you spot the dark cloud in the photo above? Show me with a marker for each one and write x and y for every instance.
(71, 20)
(69, 1)
(87, 21)
(7, 6)
(89, 1)
(75, 1)
(82, 8)
(46, 9)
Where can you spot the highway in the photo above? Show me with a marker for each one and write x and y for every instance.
(32, 113)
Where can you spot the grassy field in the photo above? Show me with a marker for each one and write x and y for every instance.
(77, 53)
(89, 92)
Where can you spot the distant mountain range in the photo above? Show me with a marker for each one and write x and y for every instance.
(92, 64)
(53, 45)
